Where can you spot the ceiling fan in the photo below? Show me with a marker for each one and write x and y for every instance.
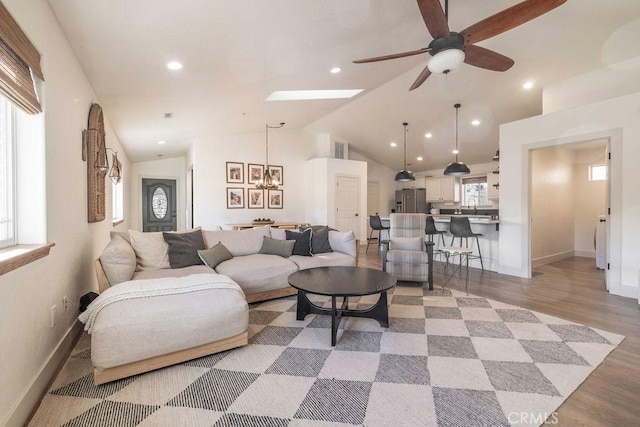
(449, 49)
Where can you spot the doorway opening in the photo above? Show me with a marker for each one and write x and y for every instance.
(570, 196)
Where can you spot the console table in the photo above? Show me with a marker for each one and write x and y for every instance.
(283, 225)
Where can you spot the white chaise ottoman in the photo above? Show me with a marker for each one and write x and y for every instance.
(137, 335)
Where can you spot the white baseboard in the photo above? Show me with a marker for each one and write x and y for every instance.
(551, 258)
(585, 254)
(31, 398)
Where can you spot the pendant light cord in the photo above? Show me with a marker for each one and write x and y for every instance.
(457, 107)
(405, 145)
(267, 127)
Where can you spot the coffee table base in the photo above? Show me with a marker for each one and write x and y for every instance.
(378, 312)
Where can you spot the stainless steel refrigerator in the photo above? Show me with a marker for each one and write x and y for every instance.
(411, 200)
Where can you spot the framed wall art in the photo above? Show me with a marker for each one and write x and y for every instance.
(235, 198)
(254, 173)
(275, 199)
(235, 173)
(276, 173)
(256, 198)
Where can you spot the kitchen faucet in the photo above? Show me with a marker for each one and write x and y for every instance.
(475, 204)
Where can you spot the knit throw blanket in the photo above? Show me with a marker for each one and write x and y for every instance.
(154, 287)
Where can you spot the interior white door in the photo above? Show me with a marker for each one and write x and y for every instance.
(347, 204)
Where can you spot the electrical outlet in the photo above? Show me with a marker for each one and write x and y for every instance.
(65, 303)
(53, 316)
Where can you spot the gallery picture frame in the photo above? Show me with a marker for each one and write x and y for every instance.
(255, 172)
(255, 198)
(235, 173)
(275, 199)
(235, 198)
(276, 172)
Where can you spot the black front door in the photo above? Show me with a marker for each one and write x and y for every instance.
(159, 205)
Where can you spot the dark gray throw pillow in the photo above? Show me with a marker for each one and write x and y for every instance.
(320, 241)
(183, 248)
(283, 248)
(215, 255)
(303, 241)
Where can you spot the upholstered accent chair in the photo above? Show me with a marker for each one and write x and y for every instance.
(409, 257)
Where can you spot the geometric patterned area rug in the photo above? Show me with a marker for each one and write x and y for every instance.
(447, 359)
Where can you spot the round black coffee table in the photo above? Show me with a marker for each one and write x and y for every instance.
(342, 282)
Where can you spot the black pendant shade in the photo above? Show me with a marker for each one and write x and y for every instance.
(405, 175)
(457, 168)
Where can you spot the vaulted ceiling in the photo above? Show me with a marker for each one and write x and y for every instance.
(236, 52)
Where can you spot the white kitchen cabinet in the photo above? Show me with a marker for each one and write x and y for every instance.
(493, 191)
(443, 189)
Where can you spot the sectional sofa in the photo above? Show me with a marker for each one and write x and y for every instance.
(150, 315)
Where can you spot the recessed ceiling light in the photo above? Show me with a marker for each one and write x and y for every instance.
(336, 70)
(174, 65)
(299, 95)
(162, 142)
(428, 135)
(455, 152)
(419, 158)
(393, 144)
(475, 122)
(528, 85)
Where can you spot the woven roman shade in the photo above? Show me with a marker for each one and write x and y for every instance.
(19, 59)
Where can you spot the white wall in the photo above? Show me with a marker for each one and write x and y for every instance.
(30, 350)
(552, 205)
(615, 119)
(589, 200)
(171, 168)
(288, 148)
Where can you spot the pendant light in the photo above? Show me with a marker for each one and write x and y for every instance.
(267, 182)
(404, 174)
(457, 168)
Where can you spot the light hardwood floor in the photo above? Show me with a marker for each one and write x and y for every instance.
(572, 289)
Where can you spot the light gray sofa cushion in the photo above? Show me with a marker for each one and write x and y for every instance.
(324, 260)
(239, 242)
(151, 250)
(344, 242)
(137, 329)
(118, 260)
(258, 272)
(172, 272)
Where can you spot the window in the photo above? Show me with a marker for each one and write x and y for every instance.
(597, 172)
(117, 201)
(474, 191)
(7, 173)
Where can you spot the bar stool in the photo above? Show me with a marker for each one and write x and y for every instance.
(464, 254)
(430, 230)
(461, 228)
(376, 225)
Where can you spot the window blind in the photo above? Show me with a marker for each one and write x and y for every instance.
(19, 62)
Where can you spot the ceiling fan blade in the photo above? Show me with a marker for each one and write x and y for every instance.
(487, 59)
(508, 19)
(424, 75)
(393, 56)
(434, 18)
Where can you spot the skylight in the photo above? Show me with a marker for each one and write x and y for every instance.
(300, 95)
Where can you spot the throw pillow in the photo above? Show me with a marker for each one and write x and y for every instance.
(320, 241)
(407, 243)
(283, 248)
(151, 250)
(278, 233)
(215, 255)
(118, 260)
(343, 241)
(183, 248)
(302, 241)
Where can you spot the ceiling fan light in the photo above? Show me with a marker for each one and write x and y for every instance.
(457, 169)
(405, 175)
(446, 61)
